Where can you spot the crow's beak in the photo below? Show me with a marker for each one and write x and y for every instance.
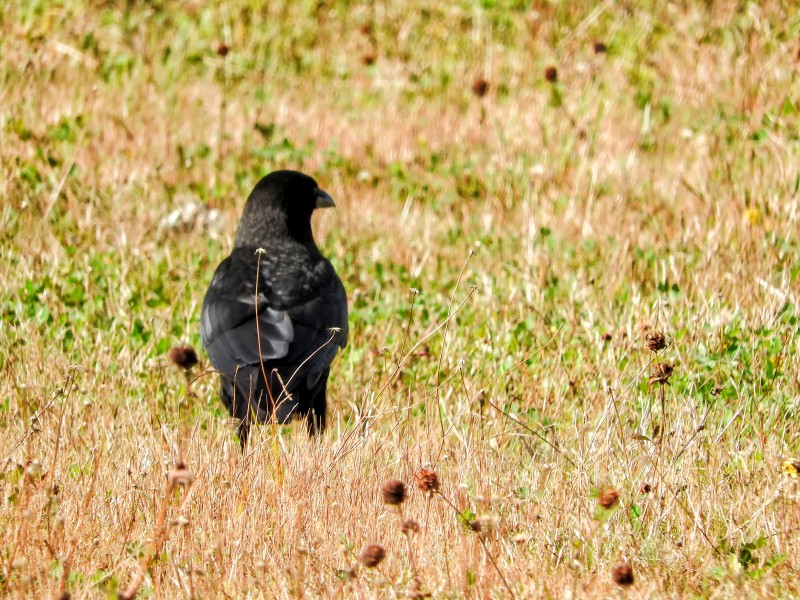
(324, 200)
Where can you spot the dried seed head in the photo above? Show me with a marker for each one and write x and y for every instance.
(183, 356)
(600, 48)
(181, 521)
(415, 589)
(368, 59)
(33, 469)
(181, 475)
(371, 555)
(490, 520)
(646, 488)
(655, 341)
(609, 498)
(623, 574)
(410, 526)
(484, 523)
(393, 492)
(551, 74)
(661, 374)
(607, 337)
(222, 49)
(427, 481)
(480, 87)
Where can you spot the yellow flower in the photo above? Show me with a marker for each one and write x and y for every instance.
(791, 468)
(752, 216)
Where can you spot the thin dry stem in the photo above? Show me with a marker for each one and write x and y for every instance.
(160, 531)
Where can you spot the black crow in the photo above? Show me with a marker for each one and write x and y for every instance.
(275, 313)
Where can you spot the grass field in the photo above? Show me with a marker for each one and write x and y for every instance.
(530, 195)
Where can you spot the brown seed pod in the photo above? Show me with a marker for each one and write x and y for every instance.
(410, 526)
(551, 74)
(661, 374)
(181, 475)
(183, 356)
(480, 87)
(427, 481)
(623, 574)
(655, 341)
(609, 498)
(393, 492)
(371, 555)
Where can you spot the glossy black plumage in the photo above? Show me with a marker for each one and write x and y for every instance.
(295, 320)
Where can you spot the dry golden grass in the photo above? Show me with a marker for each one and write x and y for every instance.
(549, 227)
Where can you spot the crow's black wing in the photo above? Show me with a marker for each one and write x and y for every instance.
(234, 318)
(319, 324)
(302, 321)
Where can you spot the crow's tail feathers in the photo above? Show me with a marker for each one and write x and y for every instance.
(248, 400)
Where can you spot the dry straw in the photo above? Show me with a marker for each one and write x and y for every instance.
(179, 476)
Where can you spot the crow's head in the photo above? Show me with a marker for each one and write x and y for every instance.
(281, 204)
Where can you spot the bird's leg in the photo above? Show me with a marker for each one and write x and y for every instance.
(315, 419)
(242, 411)
(243, 431)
